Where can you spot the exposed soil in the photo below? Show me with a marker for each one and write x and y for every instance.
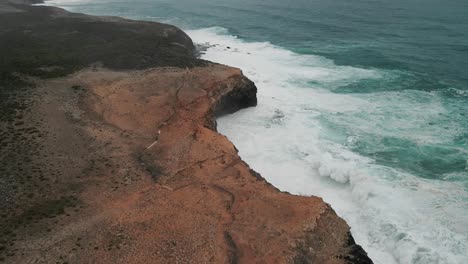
(109, 153)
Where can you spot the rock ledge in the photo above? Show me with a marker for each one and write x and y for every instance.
(110, 153)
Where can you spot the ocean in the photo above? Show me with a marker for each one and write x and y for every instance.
(363, 103)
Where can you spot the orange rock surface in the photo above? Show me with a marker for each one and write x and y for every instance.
(183, 194)
(126, 165)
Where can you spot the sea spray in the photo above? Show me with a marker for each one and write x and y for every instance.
(366, 105)
(396, 216)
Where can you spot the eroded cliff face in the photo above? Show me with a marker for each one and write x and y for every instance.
(126, 166)
(158, 184)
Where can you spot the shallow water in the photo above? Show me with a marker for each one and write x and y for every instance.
(364, 103)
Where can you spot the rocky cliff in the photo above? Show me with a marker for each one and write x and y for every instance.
(110, 154)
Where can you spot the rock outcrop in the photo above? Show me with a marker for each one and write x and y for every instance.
(110, 153)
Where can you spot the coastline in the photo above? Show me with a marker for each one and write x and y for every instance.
(133, 166)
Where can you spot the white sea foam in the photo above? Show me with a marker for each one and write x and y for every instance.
(65, 2)
(396, 217)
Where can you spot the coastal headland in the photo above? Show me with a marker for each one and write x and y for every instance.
(109, 153)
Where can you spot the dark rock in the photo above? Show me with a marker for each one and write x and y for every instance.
(243, 95)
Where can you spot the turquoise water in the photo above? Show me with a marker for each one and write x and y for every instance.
(364, 103)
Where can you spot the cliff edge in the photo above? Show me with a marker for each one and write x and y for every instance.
(110, 154)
